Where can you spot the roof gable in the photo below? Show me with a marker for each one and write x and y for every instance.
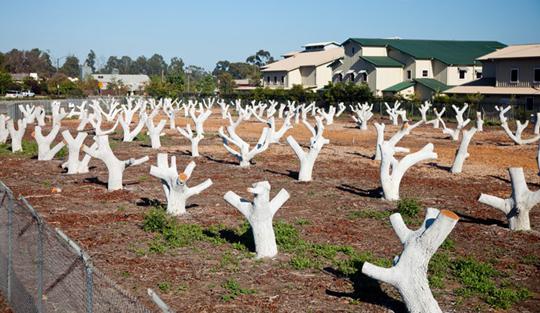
(455, 52)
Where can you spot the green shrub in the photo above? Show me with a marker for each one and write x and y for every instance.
(408, 207)
(234, 290)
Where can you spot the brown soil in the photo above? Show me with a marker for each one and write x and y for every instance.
(108, 225)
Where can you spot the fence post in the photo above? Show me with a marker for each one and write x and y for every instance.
(89, 286)
(10, 246)
(39, 261)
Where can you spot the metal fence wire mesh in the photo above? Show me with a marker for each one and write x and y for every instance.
(42, 270)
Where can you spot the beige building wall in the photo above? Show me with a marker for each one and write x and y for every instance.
(373, 51)
(407, 92)
(440, 71)
(268, 79)
(525, 70)
(453, 75)
(422, 92)
(323, 75)
(422, 65)
(308, 76)
(386, 77)
(294, 78)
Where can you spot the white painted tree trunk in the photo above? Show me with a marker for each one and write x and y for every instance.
(199, 120)
(438, 119)
(28, 112)
(424, 108)
(73, 164)
(328, 117)
(244, 155)
(45, 153)
(260, 214)
(155, 132)
(40, 116)
(405, 130)
(461, 153)
(392, 170)
(16, 135)
(519, 128)
(129, 135)
(518, 206)
(537, 124)
(307, 160)
(115, 167)
(363, 115)
(194, 139)
(58, 113)
(4, 132)
(175, 185)
(479, 121)
(409, 272)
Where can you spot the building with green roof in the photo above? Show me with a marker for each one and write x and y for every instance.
(417, 66)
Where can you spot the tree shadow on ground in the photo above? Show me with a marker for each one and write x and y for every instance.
(244, 238)
(291, 174)
(147, 202)
(466, 218)
(375, 193)
(370, 157)
(211, 158)
(366, 289)
(95, 180)
(441, 167)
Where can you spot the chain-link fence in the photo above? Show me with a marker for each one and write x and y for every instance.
(42, 270)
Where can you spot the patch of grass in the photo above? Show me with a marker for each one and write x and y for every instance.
(229, 261)
(30, 149)
(172, 234)
(142, 137)
(479, 278)
(234, 290)
(62, 153)
(302, 221)
(125, 274)
(408, 207)
(531, 259)
(120, 208)
(164, 286)
(143, 178)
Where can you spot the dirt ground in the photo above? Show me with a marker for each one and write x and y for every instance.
(346, 180)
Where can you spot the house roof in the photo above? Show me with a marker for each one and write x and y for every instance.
(381, 61)
(317, 44)
(304, 58)
(451, 52)
(513, 52)
(400, 86)
(430, 83)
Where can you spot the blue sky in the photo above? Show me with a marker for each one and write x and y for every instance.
(203, 32)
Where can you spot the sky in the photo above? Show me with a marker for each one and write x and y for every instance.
(203, 32)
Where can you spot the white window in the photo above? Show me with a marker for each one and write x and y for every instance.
(409, 74)
(268, 79)
(282, 80)
(352, 77)
(514, 75)
(364, 77)
(424, 73)
(275, 80)
(462, 74)
(478, 75)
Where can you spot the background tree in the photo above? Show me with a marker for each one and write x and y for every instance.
(155, 65)
(125, 65)
(140, 66)
(206, 85)
(226, 83)
(71, 67)
(260, 59)
(33, 61)
(113, 63)
(29, 83)
(91, 60)
(5, 82)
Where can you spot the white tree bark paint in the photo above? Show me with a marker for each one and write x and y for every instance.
(537, 124)
(244, 155)
(224, 109)
(194, 139)
(462, 154)
(199, 120)
(154, 131)
(438, 118)
(175, 184)
(4, 132)
(392, 170)
(518, 206)
(16, 134)
(479, 121)
(394, 113)
(519, 128)
(73, 164)
(363, 115)
(115, 167)
(28, 112)
(129, 135)
(404, 131)
(424, 108)
(96, 123)
(40, 116)
(58, 113)
(307, 160)
(409, 272)
(454, 133)
(45, 152)
(328, 117)
(260, 214)
(275, 135)
(342, 109)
